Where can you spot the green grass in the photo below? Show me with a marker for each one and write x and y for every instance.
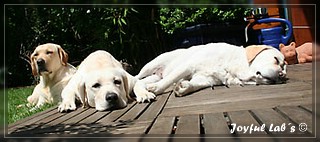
(17, 104)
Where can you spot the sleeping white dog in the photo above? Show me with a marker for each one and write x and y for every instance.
(101, 82)
(212, 64)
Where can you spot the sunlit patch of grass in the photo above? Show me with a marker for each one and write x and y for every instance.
(17, 104)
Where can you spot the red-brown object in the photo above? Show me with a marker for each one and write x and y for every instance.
(294, 55)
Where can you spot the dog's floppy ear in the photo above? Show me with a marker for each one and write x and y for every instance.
(63, 55)
(83, 96)
(127, 85)
(253, 50)
(33, 65)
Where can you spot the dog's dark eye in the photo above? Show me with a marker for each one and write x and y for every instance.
(96, 85)
(277, 60)
(49, 52)
(117, 82)
(36, 54)
(282, 66)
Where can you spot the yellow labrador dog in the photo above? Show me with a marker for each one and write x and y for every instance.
(50, 62)
(212, 64)
(101, 82)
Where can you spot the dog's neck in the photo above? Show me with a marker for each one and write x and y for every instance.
(55, 77)
(253, 51)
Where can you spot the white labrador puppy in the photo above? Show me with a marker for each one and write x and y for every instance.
(212, 64)
(101, 82)
(49, 61)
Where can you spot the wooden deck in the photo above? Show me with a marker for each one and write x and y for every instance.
(204, 112)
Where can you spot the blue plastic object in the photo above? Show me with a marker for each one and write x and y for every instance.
(272, 36)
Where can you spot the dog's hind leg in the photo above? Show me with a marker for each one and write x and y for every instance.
(168, 80)
(196, 83)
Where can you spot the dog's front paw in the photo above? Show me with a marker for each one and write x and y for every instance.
(67, 105)
(155, 88)
(234, 81)
(32, 100)
(182, 88)
(152, 87)
(142, 94)
(145, 96)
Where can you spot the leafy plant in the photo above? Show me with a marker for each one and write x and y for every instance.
(134, 34)
(172, 19)
(79, 30)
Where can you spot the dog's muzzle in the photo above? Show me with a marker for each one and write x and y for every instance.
(41, 63)
(112, 97)
(279, 79)
(112, 101)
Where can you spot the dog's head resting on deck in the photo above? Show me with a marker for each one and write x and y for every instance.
(106, 89)
(44, 59)
(268, 64)
(99, 82)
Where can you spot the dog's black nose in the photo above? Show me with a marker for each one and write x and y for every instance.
(41, 61)
(258, 73)
(111, 97)
(281, 74)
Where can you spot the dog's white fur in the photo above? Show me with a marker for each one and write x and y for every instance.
(212, 64)
(49, 61)
(99, 76)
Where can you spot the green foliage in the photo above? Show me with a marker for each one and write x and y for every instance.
(17, 104)
(134, 34)
(172, 19)
(75, 26)
(80, 31)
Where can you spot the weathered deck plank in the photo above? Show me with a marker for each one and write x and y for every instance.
(155, 108)
(136, 127)
(188, 124)
(246, 102)
(298, 115)
(163, 125)
(81, 116)
(33, 117)
(66, 116)
(114, 115)
(215, 123)
(274, 122)
(95, 117)
(236, 93)
(244, 118)
(136, 111)
(30, 120)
